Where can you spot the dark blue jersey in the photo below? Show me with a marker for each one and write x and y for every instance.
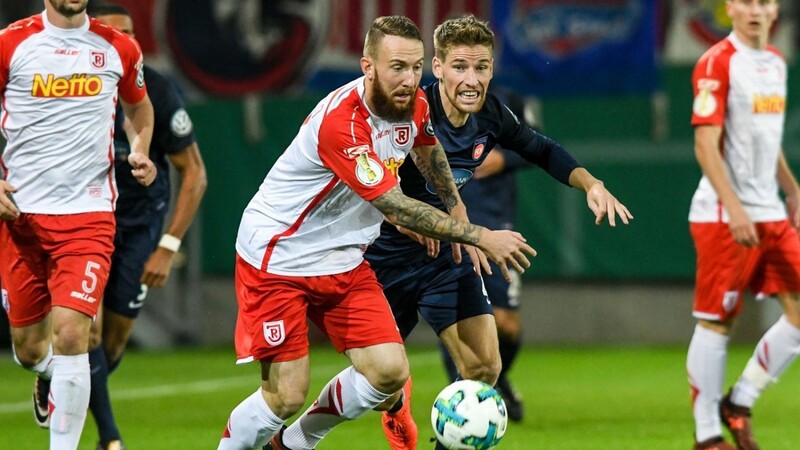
(172, 132)
(492, 201)
(466, 148)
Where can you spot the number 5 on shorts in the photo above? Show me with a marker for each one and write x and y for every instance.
(89, 287)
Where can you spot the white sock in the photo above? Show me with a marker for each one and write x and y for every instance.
(44, 368)
(251, 424)
(346, 397)
(774, 353)
(705, 364)
(69, 397)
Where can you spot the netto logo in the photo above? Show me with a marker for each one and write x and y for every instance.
(78, 85)
(772, 104)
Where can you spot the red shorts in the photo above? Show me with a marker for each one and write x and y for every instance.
(349, 308)
(725, 269)
(54, 260)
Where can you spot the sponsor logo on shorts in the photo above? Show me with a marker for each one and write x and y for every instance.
(136, 304)
(729, 300)
(4, 295)
(274, 333)
(82, 296)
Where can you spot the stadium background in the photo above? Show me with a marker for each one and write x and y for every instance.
(608, 78)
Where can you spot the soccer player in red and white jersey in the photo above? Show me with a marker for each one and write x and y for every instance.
(745, 236)
(60, 76)
(301, 241)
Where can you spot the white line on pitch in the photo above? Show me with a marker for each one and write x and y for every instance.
(219, 384)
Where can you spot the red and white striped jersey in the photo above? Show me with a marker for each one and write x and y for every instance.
(743, 90)
(59, 90)
(311, 215)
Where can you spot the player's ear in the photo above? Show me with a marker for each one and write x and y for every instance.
(436, 66)
(367, 68)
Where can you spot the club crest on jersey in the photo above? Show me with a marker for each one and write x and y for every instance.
(401, 134)
(274, 333)
(368, 171)
(478, 148)
(98, 59)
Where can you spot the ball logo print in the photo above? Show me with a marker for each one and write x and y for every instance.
(469, 415)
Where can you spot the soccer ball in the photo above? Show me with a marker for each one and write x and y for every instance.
(469, 415)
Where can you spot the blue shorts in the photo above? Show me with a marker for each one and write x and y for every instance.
(133, 246)
(503, 294)
(444, 292)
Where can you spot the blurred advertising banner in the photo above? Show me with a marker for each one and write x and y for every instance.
(576, 47)
(696, 25)
(234, 47)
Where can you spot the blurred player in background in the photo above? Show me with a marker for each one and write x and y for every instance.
(491, 200)
(469, 122)
(142, 257)
(301, 241)
(60, 76)
(742, 233)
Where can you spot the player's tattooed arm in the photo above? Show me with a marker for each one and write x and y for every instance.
(425, 219)
(432, 163)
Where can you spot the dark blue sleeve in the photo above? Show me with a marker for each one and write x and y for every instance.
(512, 161)
(173, 130)
(534, 147)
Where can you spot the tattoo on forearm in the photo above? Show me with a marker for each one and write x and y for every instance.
(425, 219)
(436, 169)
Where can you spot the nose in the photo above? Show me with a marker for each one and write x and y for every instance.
(471, 78)
(409, 77)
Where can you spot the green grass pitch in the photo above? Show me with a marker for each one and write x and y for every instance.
(576, 399)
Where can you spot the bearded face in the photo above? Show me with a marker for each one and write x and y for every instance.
(387, 104)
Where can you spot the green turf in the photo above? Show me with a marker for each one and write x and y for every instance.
(576, 399)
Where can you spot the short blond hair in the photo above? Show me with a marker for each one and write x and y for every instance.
(467, 30)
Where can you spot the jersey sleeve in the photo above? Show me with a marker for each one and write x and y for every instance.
(534, 147)
(131, 86)
(174, 130)
(422, 119)
(345, 147)
(710, 85)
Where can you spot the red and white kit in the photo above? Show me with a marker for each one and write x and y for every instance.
(302, 237)
(743, 90)
(59, 91)
(311, 215)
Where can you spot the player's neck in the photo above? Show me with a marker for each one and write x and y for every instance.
(756, 42)
(60, 21)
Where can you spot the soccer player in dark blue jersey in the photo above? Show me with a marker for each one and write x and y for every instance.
(469, 122)
(491, 199)
(142, 256)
